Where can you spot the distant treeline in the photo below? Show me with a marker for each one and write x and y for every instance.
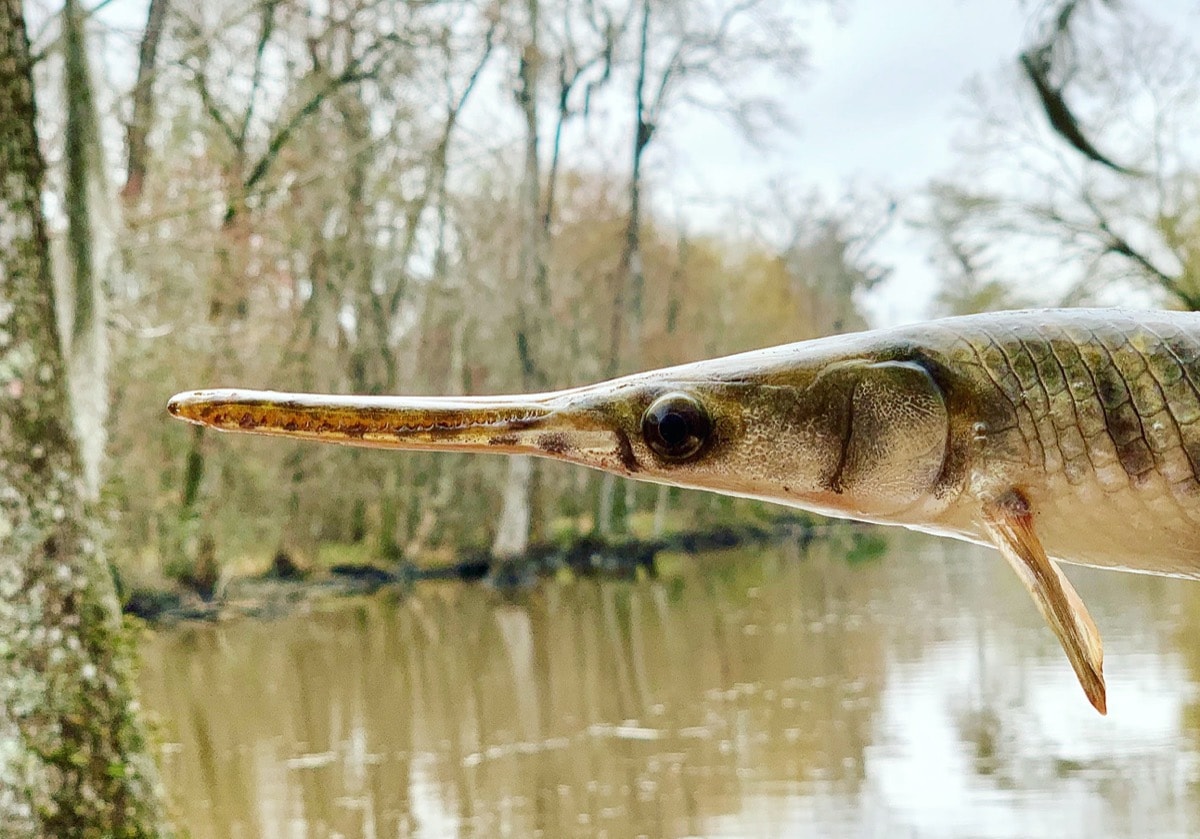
(428, 198)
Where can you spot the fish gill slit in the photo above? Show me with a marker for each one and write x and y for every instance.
(952, 459)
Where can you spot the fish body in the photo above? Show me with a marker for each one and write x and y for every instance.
(1054, 434)
(1093, 415)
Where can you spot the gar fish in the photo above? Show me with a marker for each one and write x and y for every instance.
(1054, 435)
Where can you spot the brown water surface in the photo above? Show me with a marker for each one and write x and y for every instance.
(759, 693)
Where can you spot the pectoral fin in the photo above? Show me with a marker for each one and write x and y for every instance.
(1009, 522)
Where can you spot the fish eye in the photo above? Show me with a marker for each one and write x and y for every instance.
(676, 426)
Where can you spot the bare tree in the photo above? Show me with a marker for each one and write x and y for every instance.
(255, 136)
(695, 55)
(142, 117)
(533, 294)
(92, 228)
(1048, 64)
(688, 55)
(970, 282)
(449, 303)
(1033, 196)
(580, 43)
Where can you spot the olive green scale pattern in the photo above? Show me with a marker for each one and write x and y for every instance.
(1091, 391)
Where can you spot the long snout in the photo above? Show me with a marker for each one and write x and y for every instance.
(559, 425)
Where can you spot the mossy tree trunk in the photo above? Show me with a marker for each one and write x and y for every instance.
(72, 755)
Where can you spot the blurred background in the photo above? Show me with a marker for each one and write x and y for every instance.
(489, 196)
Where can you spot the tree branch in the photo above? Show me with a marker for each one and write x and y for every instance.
(268, 26)
(279, 139)
(1118, 244)
(143, 100)
(1038, 63)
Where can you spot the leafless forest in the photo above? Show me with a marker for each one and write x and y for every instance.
(469, 197)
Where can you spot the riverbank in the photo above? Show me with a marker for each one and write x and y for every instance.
(284, 587)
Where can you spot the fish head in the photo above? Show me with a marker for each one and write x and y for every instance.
(862, 437)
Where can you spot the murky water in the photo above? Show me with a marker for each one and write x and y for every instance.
(761, 693)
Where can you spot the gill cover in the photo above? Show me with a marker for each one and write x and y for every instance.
(893, 435)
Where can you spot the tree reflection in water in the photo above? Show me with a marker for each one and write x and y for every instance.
(759, 693)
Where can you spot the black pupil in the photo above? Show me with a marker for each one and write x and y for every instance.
(676, 426)
(673, 429)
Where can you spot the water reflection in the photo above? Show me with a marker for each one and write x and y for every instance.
(762, 693)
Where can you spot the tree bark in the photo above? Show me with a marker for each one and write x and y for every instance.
(143, 101)
(72, 753)
(91, 251)
(631, 258)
